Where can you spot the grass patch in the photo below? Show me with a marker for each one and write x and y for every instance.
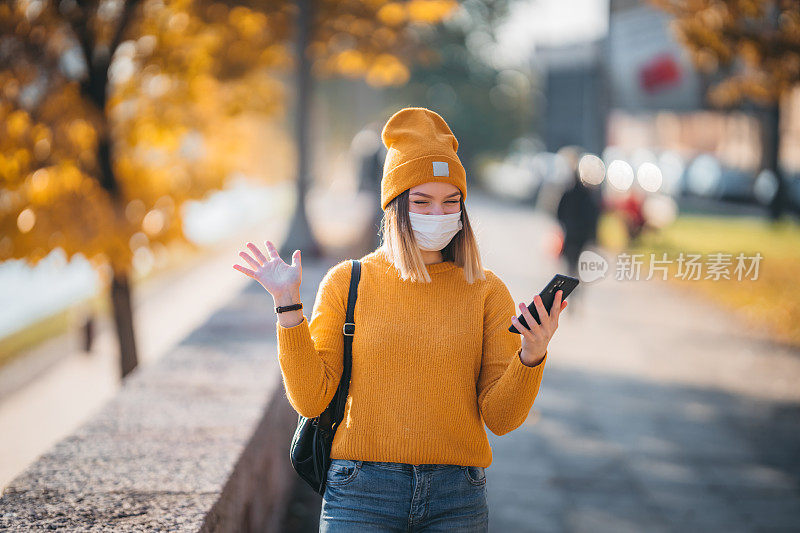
(29, 336)
(771, 302)
(48, 327)
(180, 255)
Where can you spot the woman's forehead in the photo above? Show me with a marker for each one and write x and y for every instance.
(435, 188)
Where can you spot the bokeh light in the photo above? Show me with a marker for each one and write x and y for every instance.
(26, 220)
(620, 175)
(765, 186)
(591, 169)
(649, 176)
(703, 175)
(660, 210)
(672, 167)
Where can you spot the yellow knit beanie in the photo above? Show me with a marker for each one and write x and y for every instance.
(420, 148)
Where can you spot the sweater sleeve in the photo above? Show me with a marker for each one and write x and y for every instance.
(311, 354)
(507, 387)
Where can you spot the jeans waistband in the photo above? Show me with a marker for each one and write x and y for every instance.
(407, 467)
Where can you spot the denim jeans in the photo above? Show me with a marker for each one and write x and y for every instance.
(385, 496)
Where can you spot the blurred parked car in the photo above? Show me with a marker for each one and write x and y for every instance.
(706, 177)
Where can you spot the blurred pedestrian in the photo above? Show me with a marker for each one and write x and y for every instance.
(433, 361)
(631, 207)
(578, 213)
(369, 154)
(88, 330)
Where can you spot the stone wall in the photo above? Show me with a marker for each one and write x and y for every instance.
(198, 440)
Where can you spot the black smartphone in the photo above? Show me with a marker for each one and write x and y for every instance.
(548, 294)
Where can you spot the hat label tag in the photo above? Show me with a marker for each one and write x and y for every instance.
(440, 168)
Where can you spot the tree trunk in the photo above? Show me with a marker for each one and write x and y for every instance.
(123, 320)
(94, 88)
(770, 158)
(120, 284)
(300, 236)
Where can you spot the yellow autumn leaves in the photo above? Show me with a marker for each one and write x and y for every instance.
(196, 92)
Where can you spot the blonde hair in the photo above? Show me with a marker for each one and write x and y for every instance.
(402, 249)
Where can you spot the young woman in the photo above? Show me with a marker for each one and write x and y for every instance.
(433, 360)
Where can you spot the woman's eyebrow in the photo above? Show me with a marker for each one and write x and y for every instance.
(429, 196)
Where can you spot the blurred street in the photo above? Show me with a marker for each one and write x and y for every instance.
(656, 413)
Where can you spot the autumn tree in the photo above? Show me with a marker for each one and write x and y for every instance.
(112, 116)
(114, 113)
(488, 105)
(754, 46)
(371, 39)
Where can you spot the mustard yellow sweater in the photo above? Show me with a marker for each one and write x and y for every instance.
(432, 362)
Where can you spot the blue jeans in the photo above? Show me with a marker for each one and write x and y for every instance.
(384, 496)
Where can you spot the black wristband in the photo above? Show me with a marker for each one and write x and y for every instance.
(282, 308)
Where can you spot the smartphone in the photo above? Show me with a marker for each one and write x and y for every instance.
(548, 294)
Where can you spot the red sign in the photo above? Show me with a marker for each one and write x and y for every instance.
(660, 72)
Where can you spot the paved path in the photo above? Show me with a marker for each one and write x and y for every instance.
(658, 410)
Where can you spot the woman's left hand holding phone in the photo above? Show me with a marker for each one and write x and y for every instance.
(536, 337)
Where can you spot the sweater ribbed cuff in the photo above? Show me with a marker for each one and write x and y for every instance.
(294, 339)
(528, 375)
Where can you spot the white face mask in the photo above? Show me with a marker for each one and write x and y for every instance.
(433, 232)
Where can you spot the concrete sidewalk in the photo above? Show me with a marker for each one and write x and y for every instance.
(658, 411)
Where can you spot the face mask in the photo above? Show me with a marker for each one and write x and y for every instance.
(433, 232)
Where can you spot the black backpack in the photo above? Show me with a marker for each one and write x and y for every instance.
(310, 451)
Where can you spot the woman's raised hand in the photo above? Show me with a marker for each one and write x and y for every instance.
(271, 271)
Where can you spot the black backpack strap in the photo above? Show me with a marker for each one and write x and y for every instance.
(348, 329)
